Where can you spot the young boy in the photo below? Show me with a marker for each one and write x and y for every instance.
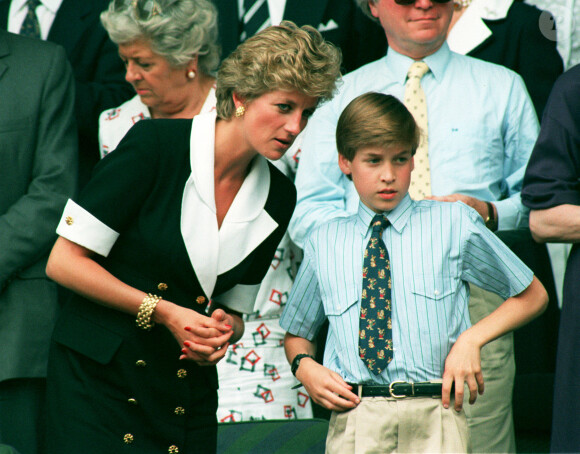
(400, 346)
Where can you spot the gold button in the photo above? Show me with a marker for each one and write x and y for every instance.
(181, 373)
(132, 401)
(69, 220)
(173, 449)
(180, 411)
(140, 363)
(200, 300)
(128, 438)
(162, 286)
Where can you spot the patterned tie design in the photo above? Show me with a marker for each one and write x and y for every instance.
(256, 17)
(375, 330)
(416, 102)
(31, 26)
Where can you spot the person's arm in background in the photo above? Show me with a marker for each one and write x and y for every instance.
(320, 184)
(551, 180)
(560, 224)
(520, 131)
(27, 227)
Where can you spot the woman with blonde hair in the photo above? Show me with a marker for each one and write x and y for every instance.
(167, 245)
(170, 52)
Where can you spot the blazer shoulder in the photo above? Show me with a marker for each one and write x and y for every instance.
(29, 47)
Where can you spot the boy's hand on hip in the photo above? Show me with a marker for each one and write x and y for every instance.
(326, 387)
(463, 365)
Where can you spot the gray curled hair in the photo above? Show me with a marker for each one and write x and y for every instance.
(283, 57)
(177, 30)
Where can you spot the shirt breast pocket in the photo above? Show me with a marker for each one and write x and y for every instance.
(477, 150)
(433, 289)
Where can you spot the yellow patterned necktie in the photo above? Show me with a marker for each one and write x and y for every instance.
(416, 102)
(375, 330)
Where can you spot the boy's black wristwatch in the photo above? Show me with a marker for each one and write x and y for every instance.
(296, 362)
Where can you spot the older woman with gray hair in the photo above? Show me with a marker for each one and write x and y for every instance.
(170, 52)
(167, 246)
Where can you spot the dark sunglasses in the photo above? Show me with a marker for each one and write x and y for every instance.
(410, 2)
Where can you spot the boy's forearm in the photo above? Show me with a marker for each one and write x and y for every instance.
(513, 313)
(294, 345)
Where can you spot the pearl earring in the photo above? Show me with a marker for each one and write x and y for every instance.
(240, 111)
(191, 74)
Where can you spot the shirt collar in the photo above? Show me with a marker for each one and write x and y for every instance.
(399, 64)
(398, 216)
(51, 5)
(491, 9)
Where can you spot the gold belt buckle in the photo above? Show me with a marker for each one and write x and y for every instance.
(391, 386)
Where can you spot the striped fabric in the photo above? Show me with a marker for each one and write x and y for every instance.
(256, 17)
(435, 248)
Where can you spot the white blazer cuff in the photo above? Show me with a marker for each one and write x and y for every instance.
(81, 227)
(241, 298)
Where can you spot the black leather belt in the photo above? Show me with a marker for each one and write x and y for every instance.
(400, 389)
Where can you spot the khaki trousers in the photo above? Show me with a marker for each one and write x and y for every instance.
(490, 419)
(387, 425)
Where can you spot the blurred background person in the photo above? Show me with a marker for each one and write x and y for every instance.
(191, 210)
(38, 150)
(551, 191)
(563, 26)
(339, 21)
(98, 71)
(170, 53)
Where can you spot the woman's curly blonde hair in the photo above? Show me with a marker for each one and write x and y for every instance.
(284, 57)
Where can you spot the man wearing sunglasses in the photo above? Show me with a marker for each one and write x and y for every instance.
(480, 129)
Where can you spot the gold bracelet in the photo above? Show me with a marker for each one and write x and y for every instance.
(146, 311)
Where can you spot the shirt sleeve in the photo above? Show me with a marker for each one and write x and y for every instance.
(320, 184)
(304, 313)
(488, 263)
(520, 133)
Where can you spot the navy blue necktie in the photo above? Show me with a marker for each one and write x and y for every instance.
(375, 330)
(31, 26)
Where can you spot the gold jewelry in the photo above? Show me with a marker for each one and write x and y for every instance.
(191, 74)
(146, 310)
(240, 111)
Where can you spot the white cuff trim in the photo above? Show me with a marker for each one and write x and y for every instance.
(241, 298)
(81, 227)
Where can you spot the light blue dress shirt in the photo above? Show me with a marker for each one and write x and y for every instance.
(435, 249)
(482, 128)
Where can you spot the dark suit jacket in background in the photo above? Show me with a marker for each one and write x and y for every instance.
(360, 39)
(38, 159)
(518, 44)
(98, 70)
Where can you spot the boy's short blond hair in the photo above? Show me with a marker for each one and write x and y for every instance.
(375, 120)
(283, 57)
